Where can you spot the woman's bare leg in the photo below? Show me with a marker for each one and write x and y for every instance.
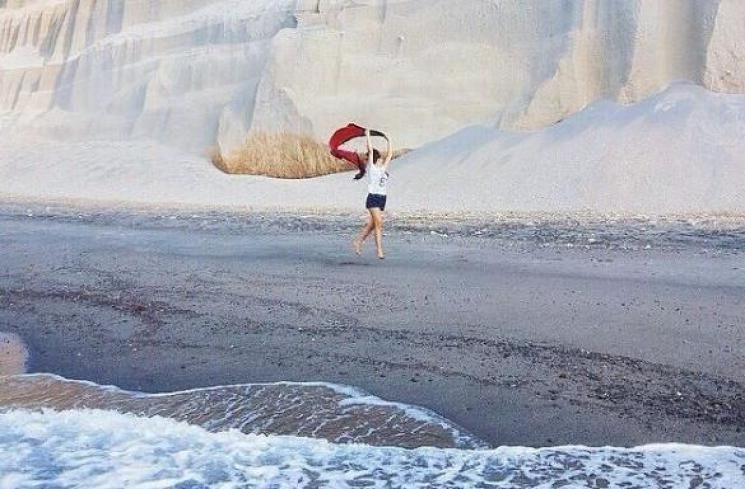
(366, 231)
(377, 218)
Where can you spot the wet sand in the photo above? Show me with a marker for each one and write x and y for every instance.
(522, 342)
(13, 355)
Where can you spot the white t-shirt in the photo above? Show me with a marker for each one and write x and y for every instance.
(377, 179)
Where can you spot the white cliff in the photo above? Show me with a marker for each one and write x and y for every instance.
(426, 68)
(183, 70)
(184, 74)
(121, 69)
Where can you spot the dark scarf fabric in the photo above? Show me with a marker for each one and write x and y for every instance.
(343, 136)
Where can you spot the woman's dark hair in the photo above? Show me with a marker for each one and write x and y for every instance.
(376, 155)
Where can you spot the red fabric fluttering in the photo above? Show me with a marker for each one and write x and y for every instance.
(342, 136)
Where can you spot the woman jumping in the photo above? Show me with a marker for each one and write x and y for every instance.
(377, 175)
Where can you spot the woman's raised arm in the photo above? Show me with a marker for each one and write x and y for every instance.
(389, 155)
(370, 151)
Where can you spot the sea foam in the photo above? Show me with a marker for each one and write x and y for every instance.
(340, 414)
(102, 449)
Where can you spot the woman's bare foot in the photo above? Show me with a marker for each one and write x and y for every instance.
(357, 245)
(381, 255)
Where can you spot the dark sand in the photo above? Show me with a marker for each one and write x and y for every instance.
(521, 342)
(13, 355)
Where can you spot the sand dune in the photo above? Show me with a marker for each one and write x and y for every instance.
(678, 152)
(120, 101)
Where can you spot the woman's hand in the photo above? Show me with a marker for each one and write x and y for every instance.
(370, 155)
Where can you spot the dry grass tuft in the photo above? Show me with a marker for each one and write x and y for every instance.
(217, 160)
(279, 155)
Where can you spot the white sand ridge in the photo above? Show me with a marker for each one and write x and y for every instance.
(678, 152)
(115, 100)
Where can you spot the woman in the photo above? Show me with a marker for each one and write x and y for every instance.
(377, 177)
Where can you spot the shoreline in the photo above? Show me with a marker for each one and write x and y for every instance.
(331, 412)
(17, 203)
(519, 344)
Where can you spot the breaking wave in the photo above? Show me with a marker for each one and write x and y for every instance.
(339, 414)
(103, 449)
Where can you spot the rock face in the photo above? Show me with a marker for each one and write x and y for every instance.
(190, 72)
(120, 69)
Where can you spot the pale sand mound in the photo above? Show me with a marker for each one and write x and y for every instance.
(13, 355)
(681, 151)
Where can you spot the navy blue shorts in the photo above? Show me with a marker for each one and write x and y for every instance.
(375, 201)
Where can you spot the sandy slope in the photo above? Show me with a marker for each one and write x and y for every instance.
(679, 151)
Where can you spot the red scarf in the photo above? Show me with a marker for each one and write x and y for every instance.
(342, 136)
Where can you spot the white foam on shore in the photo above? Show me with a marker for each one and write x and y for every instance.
(320, 410)
(100, 449)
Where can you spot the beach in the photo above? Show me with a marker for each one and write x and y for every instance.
(523, 335)
(13, 355)
(562, 299)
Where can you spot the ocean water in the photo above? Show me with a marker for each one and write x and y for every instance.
(56, 433)
(339, 414)
(106, 449)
